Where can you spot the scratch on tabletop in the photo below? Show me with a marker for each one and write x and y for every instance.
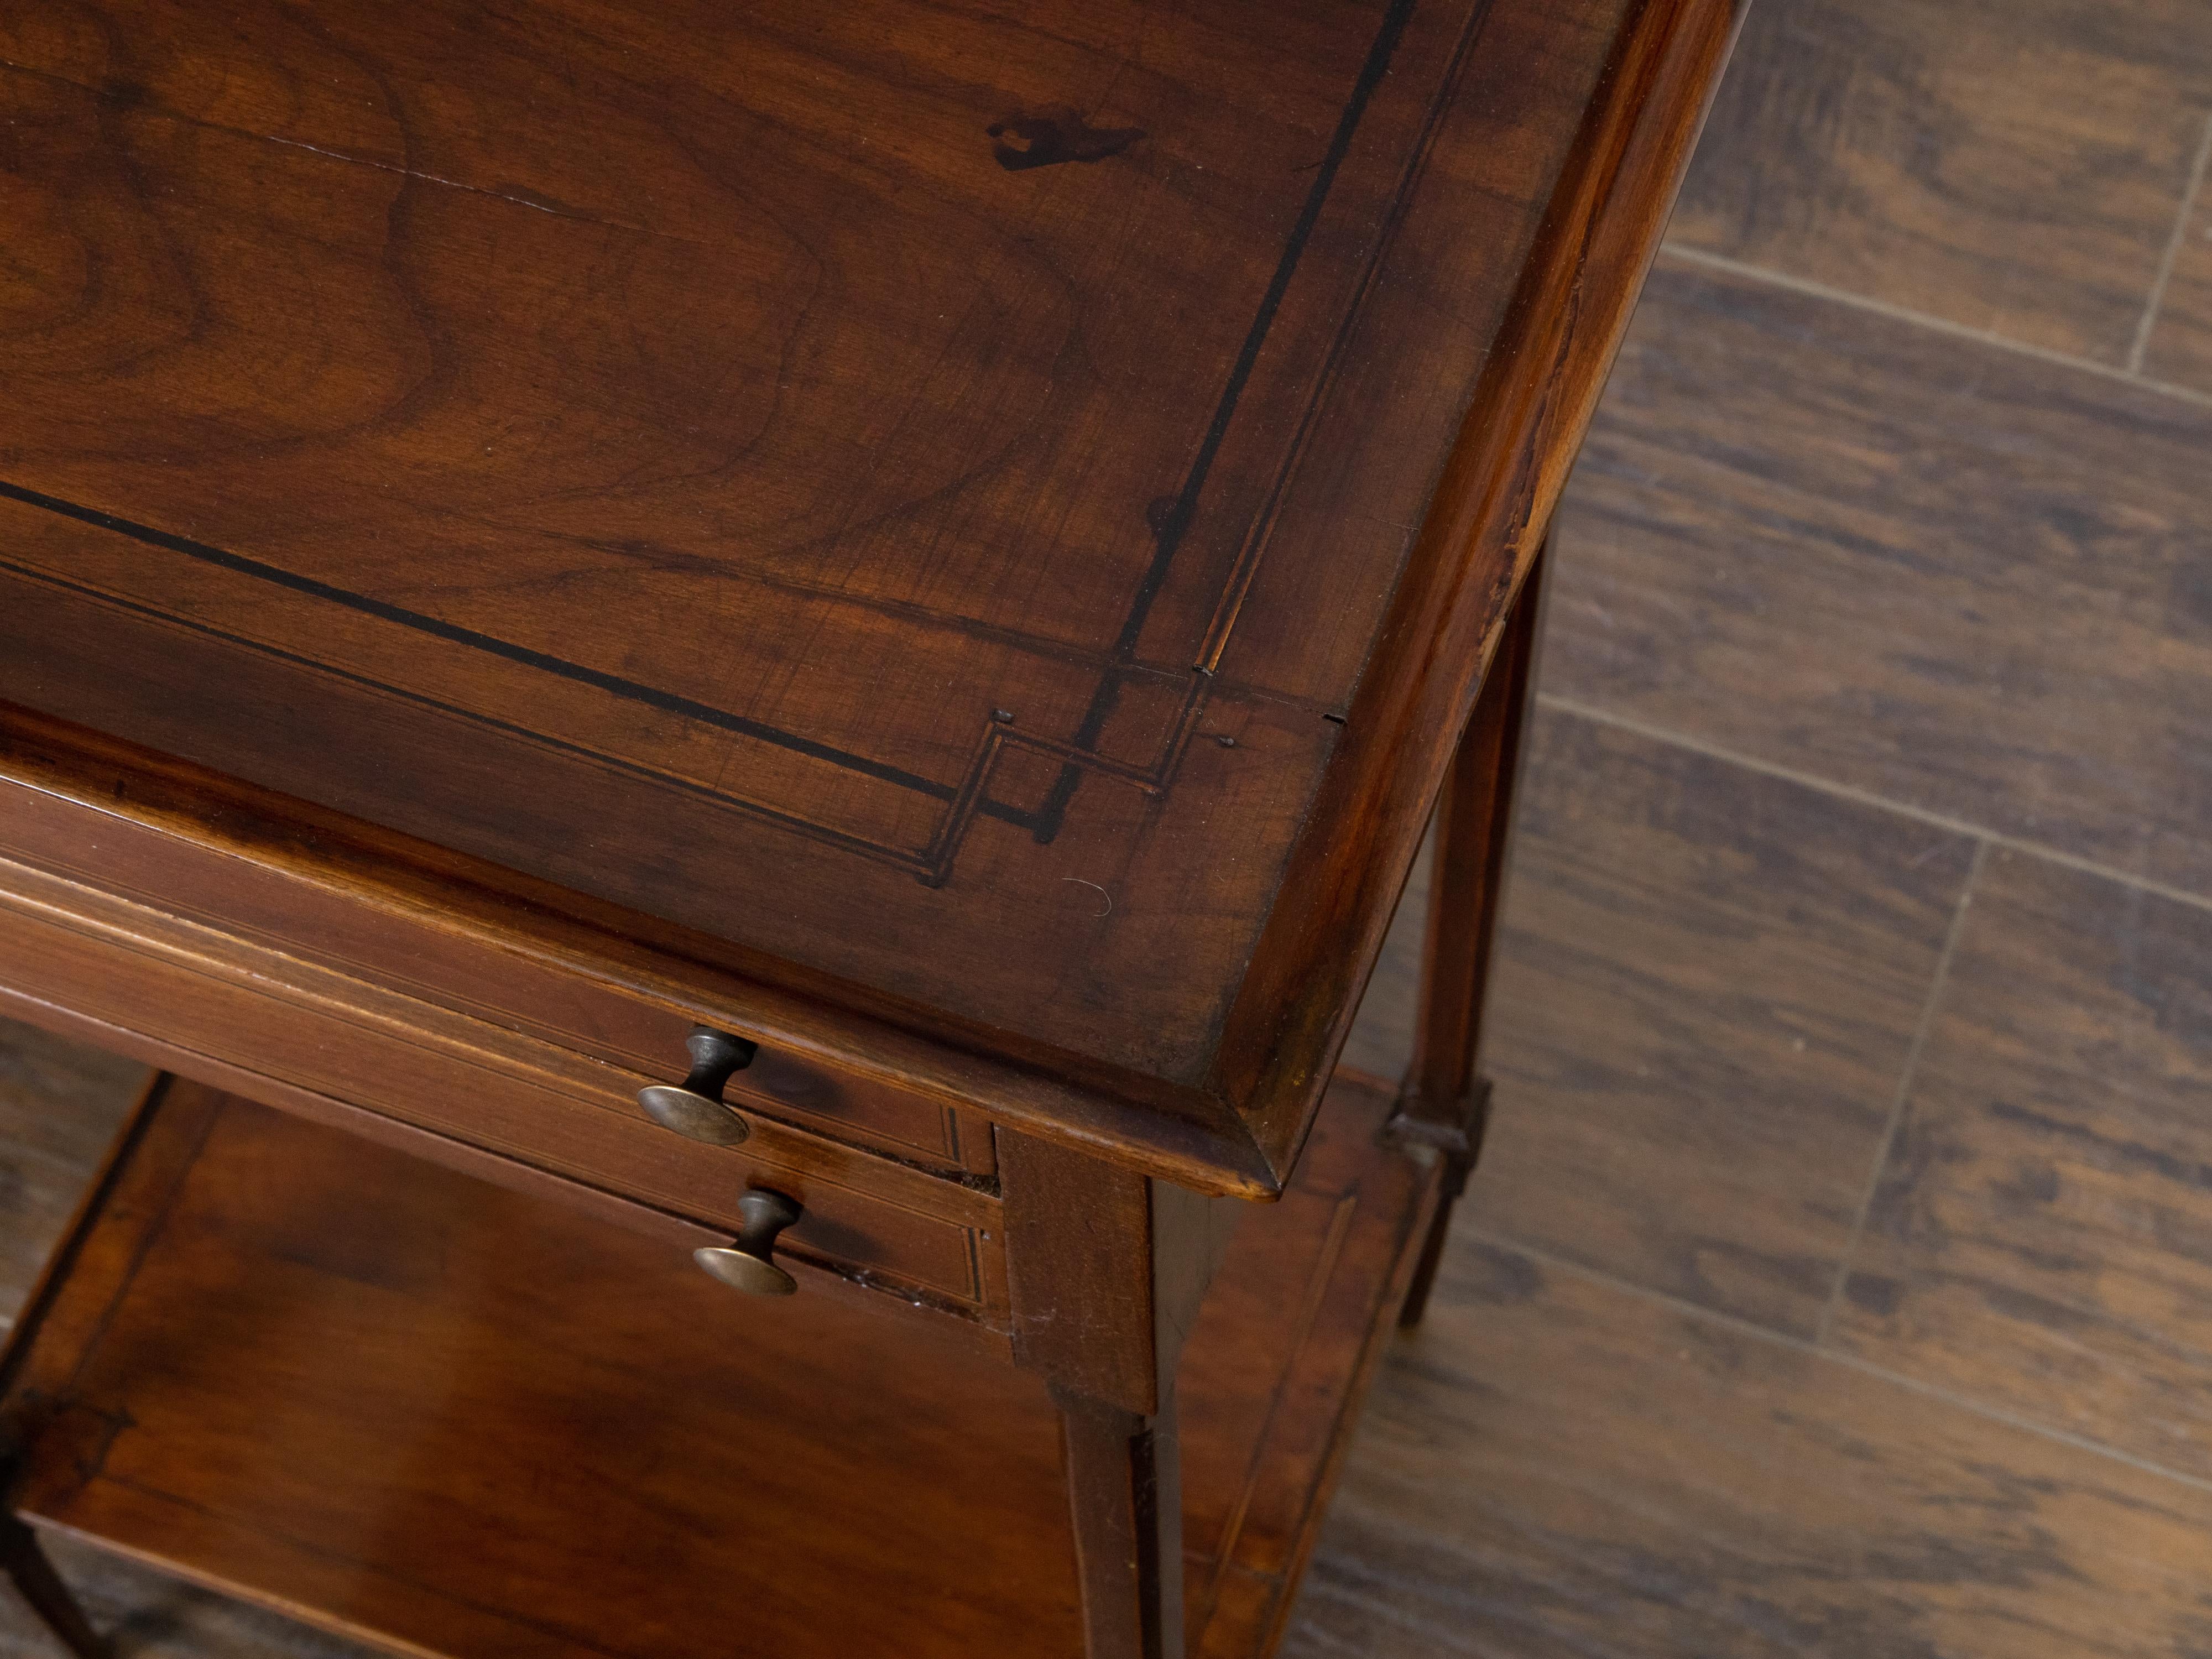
(1102, 892)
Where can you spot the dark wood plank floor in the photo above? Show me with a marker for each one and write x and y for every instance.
(2177, 345)
(1756, 955)
(1572, 1469)
(1840, 1281)
(2012, 166)
(2042, 1235)
(1965, 579)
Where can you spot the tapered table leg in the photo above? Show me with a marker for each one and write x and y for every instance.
(1445, 1103)
(1125, 1498)
(34, 1577)
(1107, 1270)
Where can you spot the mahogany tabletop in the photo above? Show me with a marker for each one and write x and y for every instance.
(989, 512)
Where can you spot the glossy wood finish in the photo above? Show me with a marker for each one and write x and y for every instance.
(1124, 1472)
(1466, 888)
(1109, 1270)
(1635, 1538)
(129, 978)
(218, 879)
(402, 1402)
(623, 590)
(1444, 1103)
(1134, 1255)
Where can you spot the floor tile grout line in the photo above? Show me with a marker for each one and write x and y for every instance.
(1935, 820)
(2166, 263)
(1923, 320)
(1899, 1101)
(1798, 1344)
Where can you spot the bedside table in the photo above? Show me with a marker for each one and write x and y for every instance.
(739, 693)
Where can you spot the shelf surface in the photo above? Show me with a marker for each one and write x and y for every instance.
(409, 1406)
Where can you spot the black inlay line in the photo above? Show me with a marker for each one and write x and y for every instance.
(1242, 574)
(1053, 812)
(1013, 815)
(631, 690)
(1046, 821)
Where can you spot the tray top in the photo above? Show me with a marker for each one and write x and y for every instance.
(908, 489)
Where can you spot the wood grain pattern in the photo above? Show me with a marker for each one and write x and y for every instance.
(1107, 1270)
(2042, 1236)
(400, 1400)
(1847, 561)
(1555, 1468)
(1708, 983)
(693, 458)
(459, 426)
(794, 478)
(271, 876)
(2011, 166)
(132, 979)
(670, 463)
(2179, 346)
(133, 965)
(421, 1351)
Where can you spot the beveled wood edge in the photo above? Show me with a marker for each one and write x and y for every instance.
(1185, 1135)
(1485, 526)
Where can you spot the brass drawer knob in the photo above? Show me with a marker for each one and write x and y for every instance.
(749, 1264)
(695, 1107)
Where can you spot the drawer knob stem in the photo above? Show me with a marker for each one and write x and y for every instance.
(695, 1107)
(749, 1264)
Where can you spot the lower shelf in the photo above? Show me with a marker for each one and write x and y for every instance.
(453, 1419)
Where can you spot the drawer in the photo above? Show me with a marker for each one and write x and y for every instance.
(266, 906)
(271, 1026)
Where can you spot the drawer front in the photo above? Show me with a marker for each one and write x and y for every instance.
(198, 997)
(258, 906)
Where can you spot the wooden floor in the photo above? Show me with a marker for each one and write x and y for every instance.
(1839, 1280)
